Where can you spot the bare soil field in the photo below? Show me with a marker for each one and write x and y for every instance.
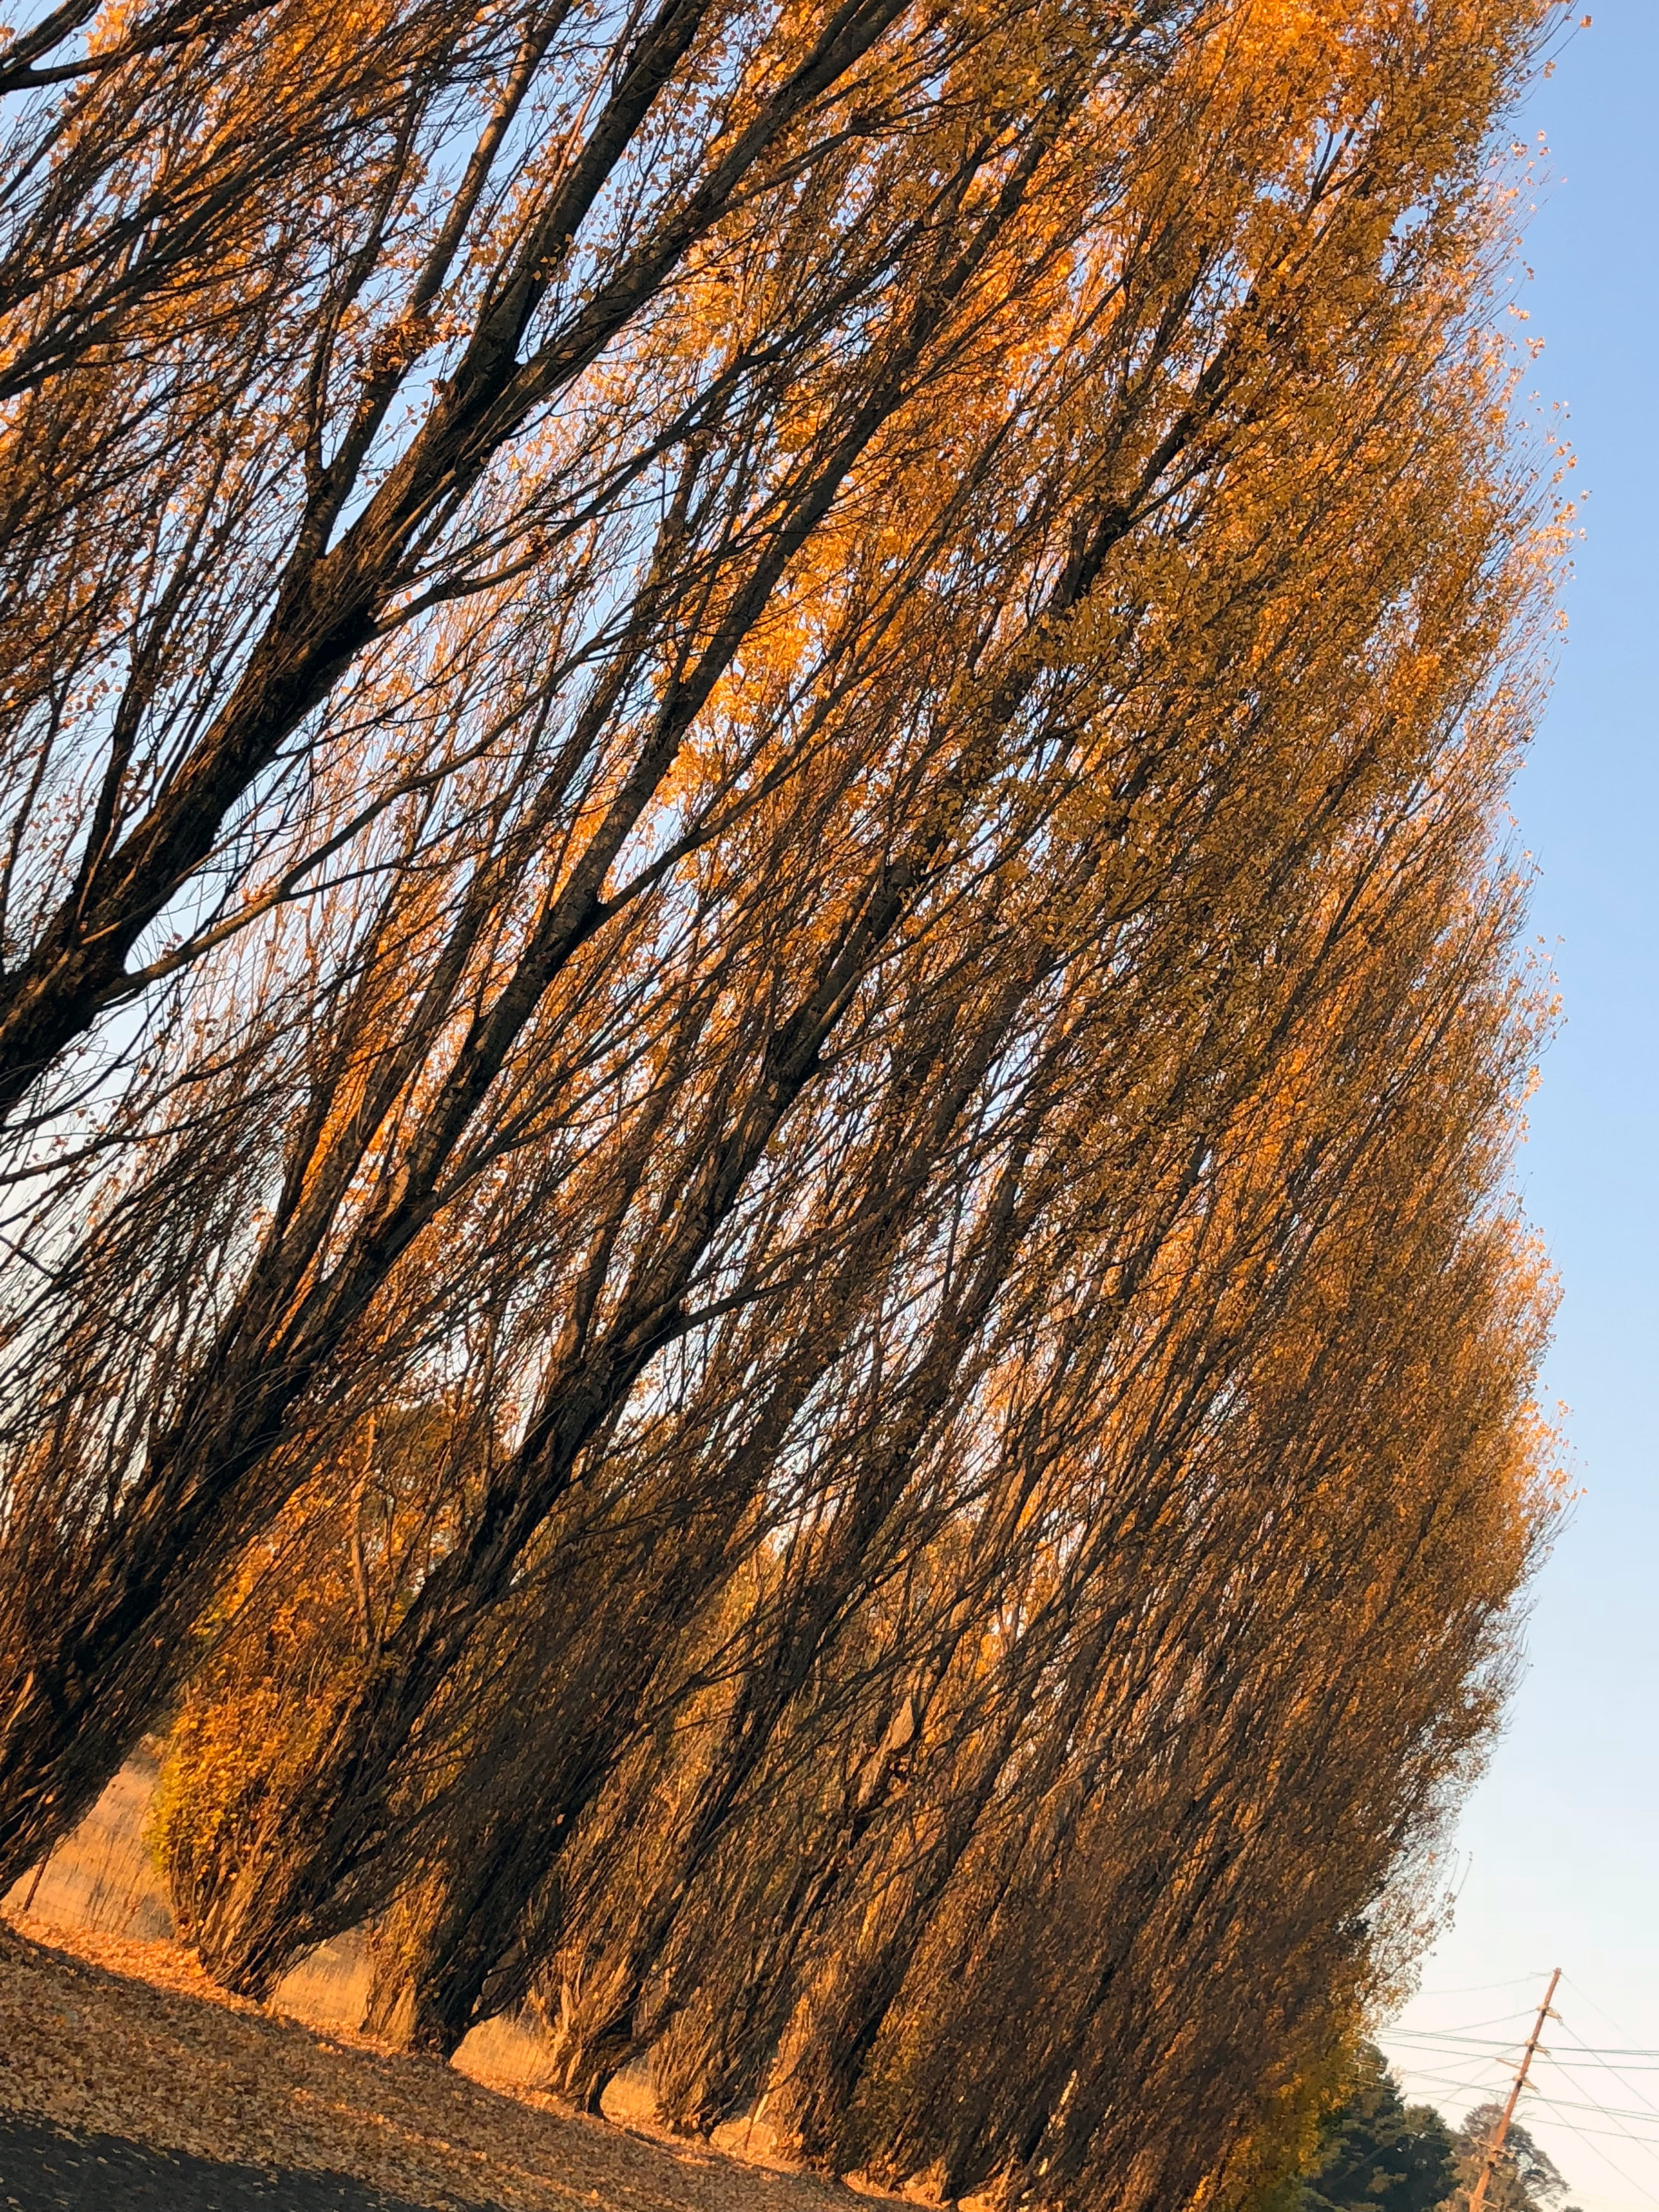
(129, 2083)
(127, 2080)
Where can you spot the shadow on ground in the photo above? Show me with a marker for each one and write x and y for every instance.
(45, 2169)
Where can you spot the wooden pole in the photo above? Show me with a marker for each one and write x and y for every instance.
(1477, 2194)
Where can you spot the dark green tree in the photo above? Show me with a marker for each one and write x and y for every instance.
(1378, 2151)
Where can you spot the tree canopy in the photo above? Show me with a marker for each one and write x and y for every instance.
(1377, 2151)
(761, 1019)
(1374, 2150)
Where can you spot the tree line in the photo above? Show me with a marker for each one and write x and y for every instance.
(1371, 2149)
(760, 1021)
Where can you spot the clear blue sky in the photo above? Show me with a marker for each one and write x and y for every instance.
(1560, 1844)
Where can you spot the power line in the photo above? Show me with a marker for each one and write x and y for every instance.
(1617, 2072)
(1585, 2054)
(1618, 2026)
(1582, 2063)
(1478, 1989)
(1582, 2105)
(1450, 2044)
(1450, 2078)
(1462, 2047)
(1476, 2092)
(1472, 2047)
(1583, 2137)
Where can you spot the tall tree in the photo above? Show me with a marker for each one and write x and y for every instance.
(501, 935)
(764, 1028)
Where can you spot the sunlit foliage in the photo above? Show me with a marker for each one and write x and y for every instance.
(761, 1023)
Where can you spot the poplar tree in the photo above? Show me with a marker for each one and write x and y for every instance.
(760, 1019)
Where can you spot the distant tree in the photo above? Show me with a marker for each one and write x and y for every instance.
(1375, 2149)
(1525, 2179)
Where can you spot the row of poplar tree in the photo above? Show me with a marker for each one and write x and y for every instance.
(759, 1024)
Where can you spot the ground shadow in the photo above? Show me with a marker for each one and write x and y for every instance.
(45, 2168)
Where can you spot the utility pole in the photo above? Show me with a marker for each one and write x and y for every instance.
(1477, 2194)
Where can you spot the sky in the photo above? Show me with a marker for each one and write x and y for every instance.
(1558, 1847)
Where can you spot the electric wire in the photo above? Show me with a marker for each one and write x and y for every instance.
(1629, 2179)
(1603, 2059)
(1425, 2039)
(1477, 1989)
(1424, 2052)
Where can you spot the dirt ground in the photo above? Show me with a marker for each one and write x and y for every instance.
(128, 2081)
(42, 2167)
